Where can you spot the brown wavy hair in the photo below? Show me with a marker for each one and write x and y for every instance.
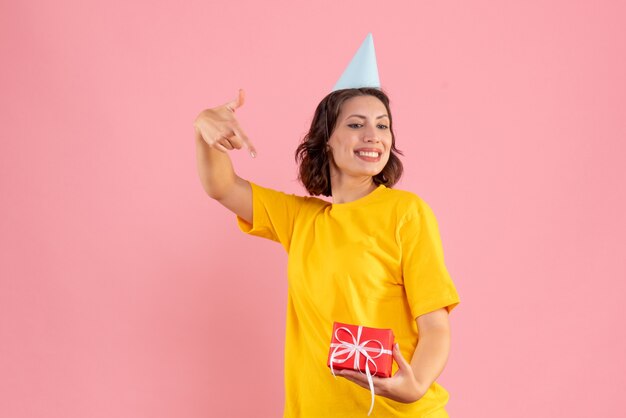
(312, 154)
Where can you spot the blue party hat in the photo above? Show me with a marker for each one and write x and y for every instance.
(362, 70)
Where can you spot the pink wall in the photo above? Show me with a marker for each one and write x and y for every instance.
(126, 292)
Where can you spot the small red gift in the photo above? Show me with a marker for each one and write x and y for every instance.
(361, 348)
(367, 350)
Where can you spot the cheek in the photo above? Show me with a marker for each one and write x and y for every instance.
(388, 143)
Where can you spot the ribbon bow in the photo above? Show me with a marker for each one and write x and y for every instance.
(356, 349)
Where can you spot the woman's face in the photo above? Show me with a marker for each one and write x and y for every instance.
(361, 142)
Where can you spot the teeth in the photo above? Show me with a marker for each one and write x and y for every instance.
(368, 154)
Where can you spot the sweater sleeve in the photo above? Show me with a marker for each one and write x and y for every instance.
(273, 215)
(426, 280)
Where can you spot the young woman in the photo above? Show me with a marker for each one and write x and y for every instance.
(372, 257)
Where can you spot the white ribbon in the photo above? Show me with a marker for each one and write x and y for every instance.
(356, 349)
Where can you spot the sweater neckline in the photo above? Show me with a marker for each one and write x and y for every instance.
(368, 197)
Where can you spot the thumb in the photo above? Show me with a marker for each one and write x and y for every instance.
(403, 365)
(237, 103)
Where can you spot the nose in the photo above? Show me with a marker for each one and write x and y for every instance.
(370, 135)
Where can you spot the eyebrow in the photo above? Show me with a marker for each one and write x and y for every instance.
(363, 117)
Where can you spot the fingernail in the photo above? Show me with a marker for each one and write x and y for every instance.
(253, 154)
(398, 346)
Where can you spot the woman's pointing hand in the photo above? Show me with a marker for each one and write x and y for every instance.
(220, 129)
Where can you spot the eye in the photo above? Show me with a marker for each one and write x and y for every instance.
(355, 125)
(381, 126)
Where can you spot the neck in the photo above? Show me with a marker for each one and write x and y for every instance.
(348, 189)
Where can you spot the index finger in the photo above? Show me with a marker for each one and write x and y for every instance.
(244, 138)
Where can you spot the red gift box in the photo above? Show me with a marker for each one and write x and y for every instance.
(361, 348)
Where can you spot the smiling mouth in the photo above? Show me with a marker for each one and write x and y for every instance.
(370, 154)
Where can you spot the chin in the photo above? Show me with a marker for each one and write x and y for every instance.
(373, 173)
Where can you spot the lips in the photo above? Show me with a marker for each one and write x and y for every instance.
(369, 154)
